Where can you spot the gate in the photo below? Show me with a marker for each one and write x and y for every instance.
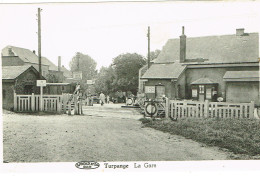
(31, 103)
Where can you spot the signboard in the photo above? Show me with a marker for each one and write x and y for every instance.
(149, 89)
(41, 83)
(194, 93)
(77, 75)
(208, 93)
(90, 82)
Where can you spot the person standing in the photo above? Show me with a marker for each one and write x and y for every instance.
(102, 98)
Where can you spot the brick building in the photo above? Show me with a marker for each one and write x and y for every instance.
(208, 67)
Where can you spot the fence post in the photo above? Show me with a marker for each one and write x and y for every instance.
(33, 102)
(69, 108)
(206, 109)
(64, 101)
(251, 109)
(15, 102)
(167, 107)
(59, 104)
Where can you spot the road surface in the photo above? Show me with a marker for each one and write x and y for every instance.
(108, 133)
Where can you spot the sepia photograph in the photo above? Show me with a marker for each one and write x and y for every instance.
(128, 85)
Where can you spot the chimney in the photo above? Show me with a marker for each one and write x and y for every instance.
(240, 31)
(182, 46)
(59, 63)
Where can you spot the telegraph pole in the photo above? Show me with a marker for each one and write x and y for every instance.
(39, 43)
(148, 35)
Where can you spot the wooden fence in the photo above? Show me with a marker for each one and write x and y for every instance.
(182, 109)
(50, 103)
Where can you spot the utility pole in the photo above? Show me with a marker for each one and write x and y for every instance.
(148, 35)
(39, 43)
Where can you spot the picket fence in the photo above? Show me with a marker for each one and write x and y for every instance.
(31, 103)
(182, 109)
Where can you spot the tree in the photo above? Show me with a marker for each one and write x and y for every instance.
(154, 54)
(104, 80)
(84, 63)
(126, 68)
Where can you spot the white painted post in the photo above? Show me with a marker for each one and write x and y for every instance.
(15, 102)
(41, 98)
(206, 109)
(69, 108)
(167, 107)
(251, 109)
(58, 101)
(33, 102)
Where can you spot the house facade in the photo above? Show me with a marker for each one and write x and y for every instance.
(206, 68)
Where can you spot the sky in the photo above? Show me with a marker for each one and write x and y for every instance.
(106, 30)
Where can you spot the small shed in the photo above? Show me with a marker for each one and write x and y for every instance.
(19, 79)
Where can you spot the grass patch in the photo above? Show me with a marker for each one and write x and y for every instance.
(240, 136)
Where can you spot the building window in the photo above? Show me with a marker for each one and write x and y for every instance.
(201, 89)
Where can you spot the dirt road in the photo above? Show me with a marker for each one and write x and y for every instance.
(107, 133)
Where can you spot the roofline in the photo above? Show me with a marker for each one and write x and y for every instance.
(254, 79)
(216, 36)
(209, 65)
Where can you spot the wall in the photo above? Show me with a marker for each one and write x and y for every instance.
(216, 74)
(243, 92)
(8, 95)
(169, 86)
(11, 61)
(182, 86)
(27, 78)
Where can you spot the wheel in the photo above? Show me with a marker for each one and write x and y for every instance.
(151, 109)
(129, 101)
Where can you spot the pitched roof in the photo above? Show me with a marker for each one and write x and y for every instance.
(164, 71)
(217, 49)
(28, 56)
(204, 81)
(241, 74)
(66, 72)
(12, 72)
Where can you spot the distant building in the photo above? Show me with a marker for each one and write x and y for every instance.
(16, 56)
(208, 67)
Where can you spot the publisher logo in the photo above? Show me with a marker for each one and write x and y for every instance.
(87, 165)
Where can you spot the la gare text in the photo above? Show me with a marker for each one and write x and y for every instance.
(122, 166)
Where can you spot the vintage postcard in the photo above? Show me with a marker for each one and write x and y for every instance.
(130, 86)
